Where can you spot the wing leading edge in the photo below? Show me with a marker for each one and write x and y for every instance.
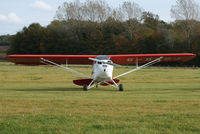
(145, 58)
(59, 59)
(84, 59)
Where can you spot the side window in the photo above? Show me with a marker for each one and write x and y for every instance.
(109, 61)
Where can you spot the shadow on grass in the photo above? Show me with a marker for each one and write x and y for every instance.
(49, 89)
(65, 89)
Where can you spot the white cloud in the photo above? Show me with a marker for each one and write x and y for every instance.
(3, 18)
(14, 18)
(42, 6)
(10, 18)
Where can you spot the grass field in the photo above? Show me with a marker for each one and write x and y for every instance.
(44, 100)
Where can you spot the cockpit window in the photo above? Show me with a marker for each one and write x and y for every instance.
(109, 61)
(102, 57)
(99, 62)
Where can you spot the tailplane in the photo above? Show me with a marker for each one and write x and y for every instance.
(110, 82)
(82, 82)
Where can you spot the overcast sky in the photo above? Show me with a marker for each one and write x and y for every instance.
(15, 14)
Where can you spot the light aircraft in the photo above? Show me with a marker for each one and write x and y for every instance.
(103, 65)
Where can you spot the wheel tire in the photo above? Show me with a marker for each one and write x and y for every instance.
(85, 88)
(121, 87)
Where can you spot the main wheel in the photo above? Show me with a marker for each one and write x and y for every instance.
(121, 87)
(85, 88)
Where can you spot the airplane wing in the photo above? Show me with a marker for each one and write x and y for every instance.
(84, 59)
(145, 58)
(59, 59)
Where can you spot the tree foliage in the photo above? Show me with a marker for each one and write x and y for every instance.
(185, 10)
(5, 40)
(95, 28)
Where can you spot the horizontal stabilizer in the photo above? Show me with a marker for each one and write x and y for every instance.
(110, 82)
(82, 82)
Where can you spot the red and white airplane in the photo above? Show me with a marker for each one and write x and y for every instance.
(102, 72)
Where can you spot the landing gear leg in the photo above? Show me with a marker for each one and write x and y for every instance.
(85, 88)
(121, 87)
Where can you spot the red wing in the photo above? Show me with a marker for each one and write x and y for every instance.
(59, 59)
(144, 58)
(83, 59)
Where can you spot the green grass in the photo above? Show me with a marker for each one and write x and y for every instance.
(41, 99)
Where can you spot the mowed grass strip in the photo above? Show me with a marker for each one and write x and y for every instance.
(41, 99)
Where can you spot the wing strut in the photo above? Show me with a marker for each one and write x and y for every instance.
(50, 63)
(140, 67)
(136, 62)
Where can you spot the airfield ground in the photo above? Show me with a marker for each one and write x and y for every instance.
(43, 99)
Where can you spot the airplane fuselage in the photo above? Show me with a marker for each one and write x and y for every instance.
(102, 71)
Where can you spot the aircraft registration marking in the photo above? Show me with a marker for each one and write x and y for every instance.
(130, 59)
(167, 59)
(148, 59)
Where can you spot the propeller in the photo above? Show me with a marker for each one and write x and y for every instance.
(109, 63)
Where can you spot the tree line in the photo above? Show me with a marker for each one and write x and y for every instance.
(93, 27)
(5, 40)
